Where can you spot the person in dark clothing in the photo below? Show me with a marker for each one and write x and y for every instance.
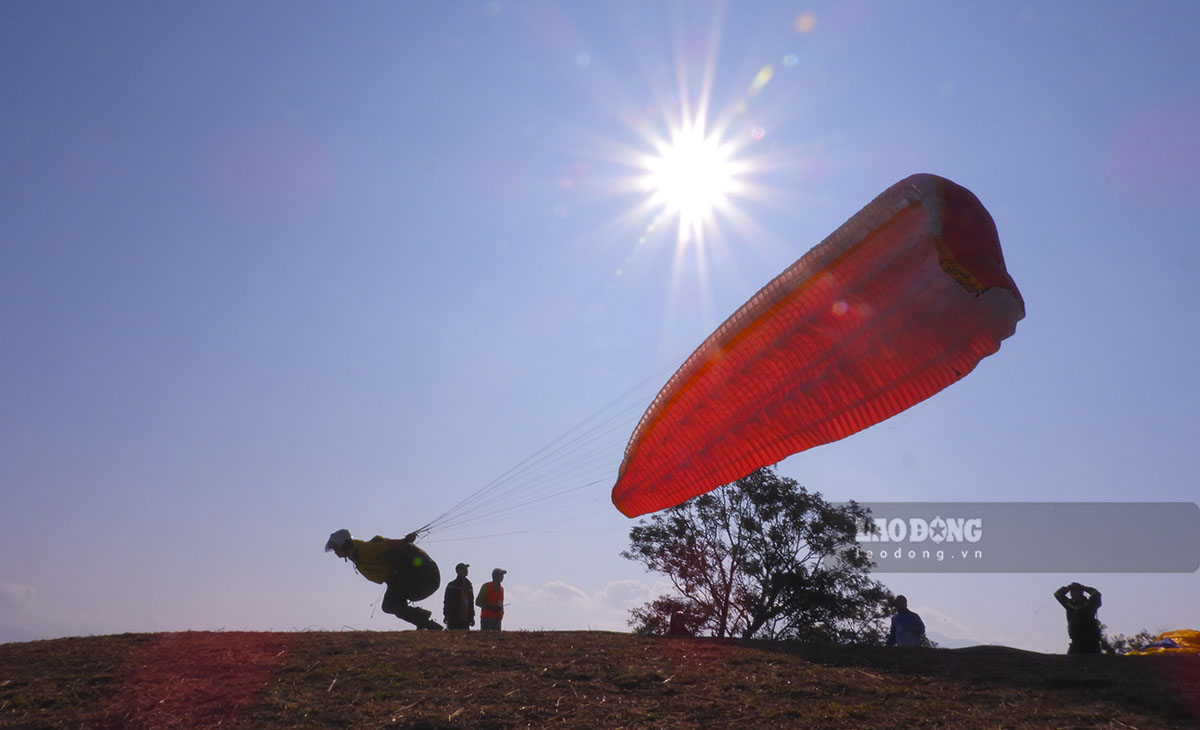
(458, 608)
(907, 627)
(679, 625)
(407, 570)
(1083, 628)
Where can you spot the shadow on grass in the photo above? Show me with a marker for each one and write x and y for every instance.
(1167, 687)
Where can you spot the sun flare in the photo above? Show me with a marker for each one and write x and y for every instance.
(691, 177)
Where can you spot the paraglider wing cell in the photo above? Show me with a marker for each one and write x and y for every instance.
(902, 300)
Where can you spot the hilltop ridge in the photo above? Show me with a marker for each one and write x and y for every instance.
(423, 680)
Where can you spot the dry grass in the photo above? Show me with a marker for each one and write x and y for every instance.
(429, 681)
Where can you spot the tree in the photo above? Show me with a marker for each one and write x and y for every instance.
(762, 558)
(1123, 643)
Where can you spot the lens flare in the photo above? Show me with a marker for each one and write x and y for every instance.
(691, 177)
(761, 80)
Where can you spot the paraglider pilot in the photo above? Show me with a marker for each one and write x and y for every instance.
(407, 570)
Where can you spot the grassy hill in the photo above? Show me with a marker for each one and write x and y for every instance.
(431, 681)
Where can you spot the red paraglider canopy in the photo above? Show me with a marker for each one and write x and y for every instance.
(899, 302)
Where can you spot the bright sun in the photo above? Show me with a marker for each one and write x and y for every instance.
(692, 176)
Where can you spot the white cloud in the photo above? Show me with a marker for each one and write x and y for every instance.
(626, 594)
(557, 590)
(561, 606)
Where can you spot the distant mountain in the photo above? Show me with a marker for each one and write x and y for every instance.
(949, 642)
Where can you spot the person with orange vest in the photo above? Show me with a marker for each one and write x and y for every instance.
(491, 602)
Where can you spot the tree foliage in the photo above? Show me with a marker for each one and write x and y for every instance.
(1125, 643)
(761, 558)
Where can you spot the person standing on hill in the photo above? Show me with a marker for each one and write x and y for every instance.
(907, 627)
(458, 607)
(1081, 602)
(407, 570)
(491, 602)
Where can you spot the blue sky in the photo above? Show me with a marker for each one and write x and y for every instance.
(273, 269)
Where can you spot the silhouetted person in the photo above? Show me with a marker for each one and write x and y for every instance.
(458, 608)
(1083, 627)
(407, 570)
(907, 627)
(679, 625)
(491, 602)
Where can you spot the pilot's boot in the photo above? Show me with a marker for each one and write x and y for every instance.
(419, 617)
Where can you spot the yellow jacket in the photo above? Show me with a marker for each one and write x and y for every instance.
(373, 558)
